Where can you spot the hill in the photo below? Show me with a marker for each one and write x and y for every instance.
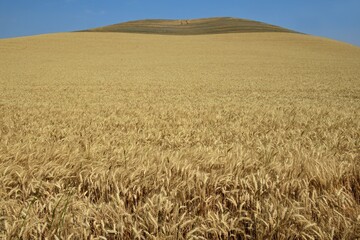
(191, 27)
(144, 136)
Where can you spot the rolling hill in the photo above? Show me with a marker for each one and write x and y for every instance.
(191, 27)
(251, 135)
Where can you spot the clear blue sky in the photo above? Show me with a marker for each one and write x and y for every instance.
(337, 19)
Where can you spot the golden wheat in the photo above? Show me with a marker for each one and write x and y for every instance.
(130, 136)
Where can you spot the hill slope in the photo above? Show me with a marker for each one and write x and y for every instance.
(191, 27)
(143, 136)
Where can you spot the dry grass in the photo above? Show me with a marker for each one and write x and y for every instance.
(120, 136)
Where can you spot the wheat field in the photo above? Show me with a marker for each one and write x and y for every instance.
(131, 136)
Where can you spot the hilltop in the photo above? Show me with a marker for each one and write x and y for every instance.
(191, 26)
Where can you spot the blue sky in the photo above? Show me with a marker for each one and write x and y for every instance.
(337, 19)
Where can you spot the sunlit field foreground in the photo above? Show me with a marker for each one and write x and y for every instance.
(131, 136)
